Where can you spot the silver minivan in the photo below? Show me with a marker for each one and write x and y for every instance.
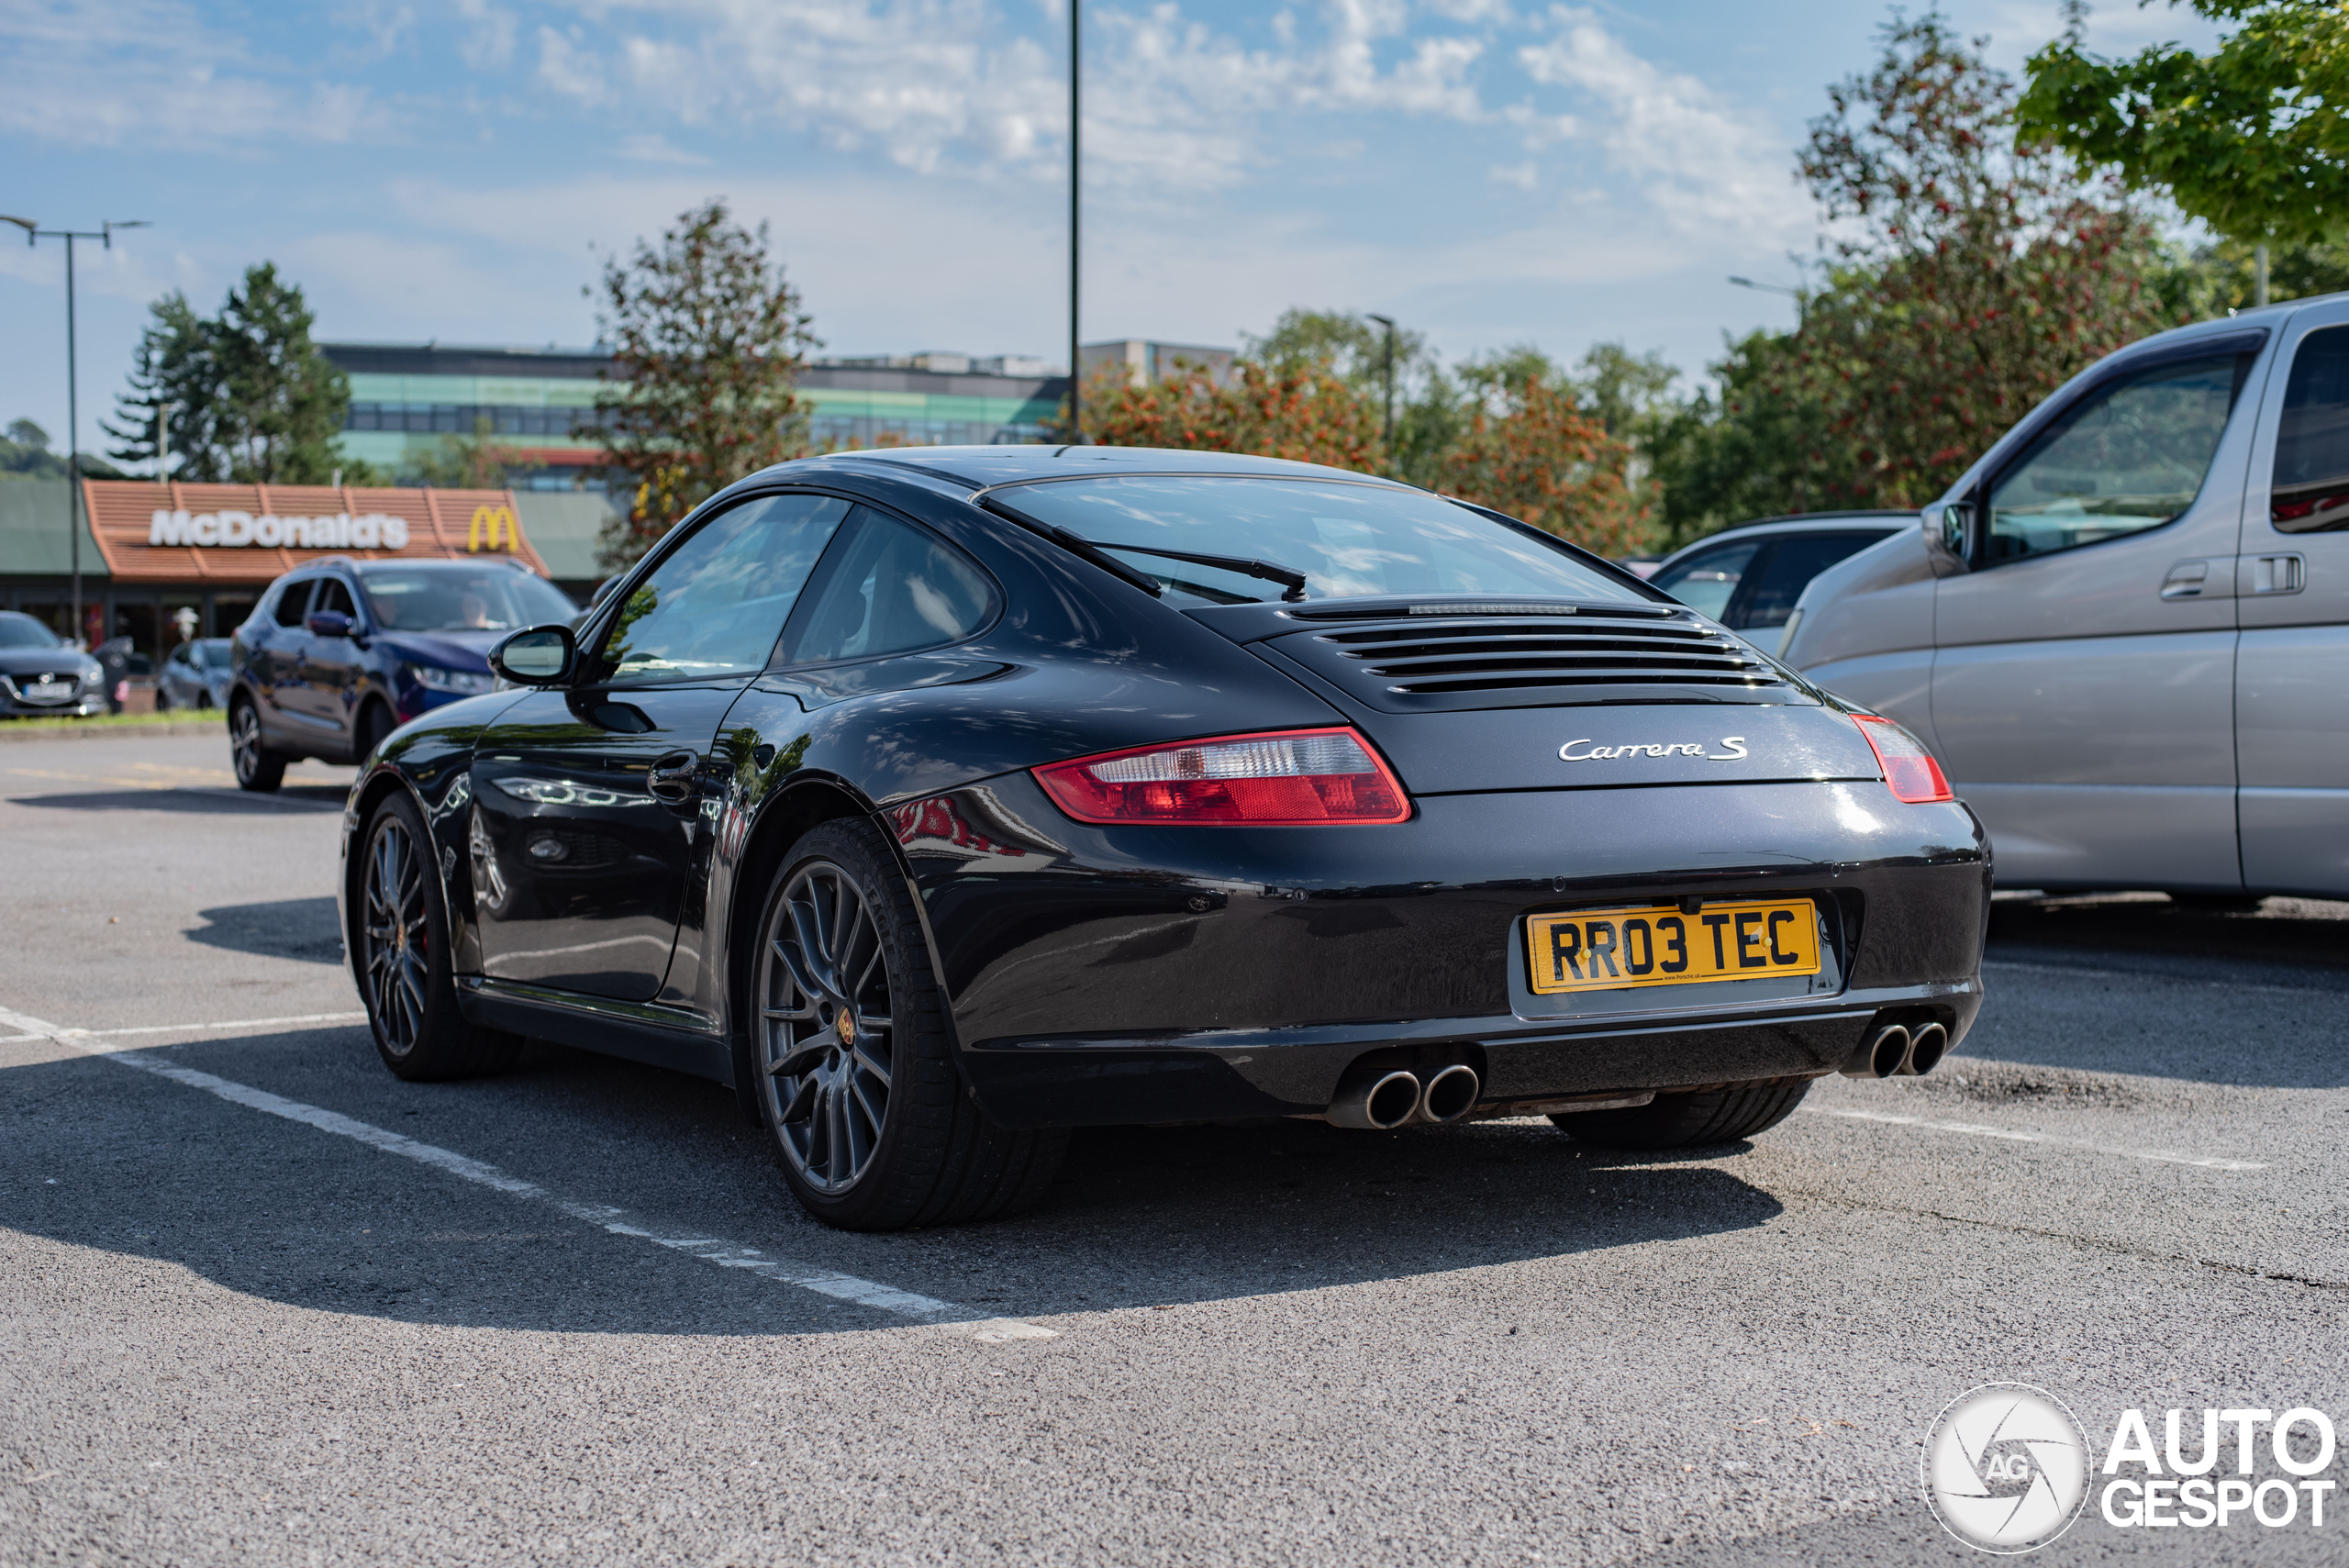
(2125, 631)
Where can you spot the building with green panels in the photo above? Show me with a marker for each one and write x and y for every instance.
(407, 400)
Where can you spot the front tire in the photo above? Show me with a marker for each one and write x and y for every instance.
(853, 1052)
(402, 929)
(258, 768)
(1724, 1115)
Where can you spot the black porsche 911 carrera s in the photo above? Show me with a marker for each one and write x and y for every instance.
(941, 800)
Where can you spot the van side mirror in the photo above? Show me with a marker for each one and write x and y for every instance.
(541, 656)
(1957, 529)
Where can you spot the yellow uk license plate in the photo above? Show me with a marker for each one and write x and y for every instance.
(1615, 950)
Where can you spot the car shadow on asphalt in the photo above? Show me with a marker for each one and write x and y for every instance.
(1140, 1218)
(226, 800)
(300, 928)
(2137, 985)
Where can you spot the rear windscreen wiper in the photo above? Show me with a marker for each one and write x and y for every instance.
(1265, 569)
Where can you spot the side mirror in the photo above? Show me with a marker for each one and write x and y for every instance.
(1957, 529)
(328, 623)
(541, 656)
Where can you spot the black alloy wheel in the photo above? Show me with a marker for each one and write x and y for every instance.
(402, 929)
(856, 1078)
(258, 768)
(1725, 1115)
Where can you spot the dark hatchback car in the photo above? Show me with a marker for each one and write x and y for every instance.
(340, 653)
(1751, 577)
(941, 801)
(43, 675)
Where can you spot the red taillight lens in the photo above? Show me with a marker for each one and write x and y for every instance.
(1908, 768)
(1289, 778)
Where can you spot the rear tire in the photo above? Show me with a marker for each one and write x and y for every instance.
(1681, 1121)
(869, 1122)
(376, 722)
(401, 927)
(258, 768)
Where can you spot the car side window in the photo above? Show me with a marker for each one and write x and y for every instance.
(1707, 580)
(717, 605)
(294, 602)
(333, 595)
(1792, 563)
(2129, 456)
(2311, 484)
(890, 587)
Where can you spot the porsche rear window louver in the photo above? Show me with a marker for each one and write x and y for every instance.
(1587, 650)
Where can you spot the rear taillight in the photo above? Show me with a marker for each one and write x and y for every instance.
(1909, 769)
(1289, 778)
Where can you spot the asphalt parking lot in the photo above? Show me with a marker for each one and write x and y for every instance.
(261, 1302)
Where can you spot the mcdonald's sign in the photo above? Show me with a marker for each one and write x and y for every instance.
(495, 528)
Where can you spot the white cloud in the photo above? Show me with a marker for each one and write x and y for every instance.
(1704, 168)
(488, 44)
(1524, 176)
(652, 147)
(110, 73)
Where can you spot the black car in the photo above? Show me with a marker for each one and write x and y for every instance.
(43, 675)
(339, 654)
(942, 800)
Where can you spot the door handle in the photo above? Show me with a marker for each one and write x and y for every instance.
(672, 778)
(2278, 573)
(2187, 580)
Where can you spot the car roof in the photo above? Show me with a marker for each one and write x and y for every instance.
(981, 467)
(1797, 523)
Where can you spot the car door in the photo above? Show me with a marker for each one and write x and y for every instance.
(2292, 603)
(588, 823)
(274, 654)
(326, 688)
(2083, 685)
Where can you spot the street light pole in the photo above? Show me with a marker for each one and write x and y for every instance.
(1388, 322)
(103, 234)
(1075, 132)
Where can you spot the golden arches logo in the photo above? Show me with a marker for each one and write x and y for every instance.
(498, 525)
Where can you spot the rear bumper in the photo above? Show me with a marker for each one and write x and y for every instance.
(1109, 975)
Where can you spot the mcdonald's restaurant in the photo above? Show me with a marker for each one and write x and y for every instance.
(161, 562)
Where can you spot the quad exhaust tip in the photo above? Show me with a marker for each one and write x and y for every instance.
(1375, 1101)
(1897, 1050)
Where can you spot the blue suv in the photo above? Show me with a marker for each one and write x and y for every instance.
(342, 652)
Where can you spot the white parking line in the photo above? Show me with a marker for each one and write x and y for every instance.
(1979, 1129)
(709, 1249)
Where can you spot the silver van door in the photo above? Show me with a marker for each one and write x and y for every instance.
(2292, 600)
(2083, 682)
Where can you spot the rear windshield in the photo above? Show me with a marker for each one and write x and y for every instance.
(494, 598)
(1348, 540)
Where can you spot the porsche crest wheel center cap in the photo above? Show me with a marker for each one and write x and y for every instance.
(847, 1027)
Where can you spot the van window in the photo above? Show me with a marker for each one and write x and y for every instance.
(2129, 456)
(2311, 486)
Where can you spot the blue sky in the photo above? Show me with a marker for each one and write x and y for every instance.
(1489, 171)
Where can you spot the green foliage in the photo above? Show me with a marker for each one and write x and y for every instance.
(2251, 138)
(708, 340)
(2212, 279)
(1975, 277)
(250, 397)
(475, 462)
(25, 454)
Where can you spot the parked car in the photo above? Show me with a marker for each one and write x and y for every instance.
(1749, 577)
(197, 676)
(942, 800)
(43, 675)
(339, 654)
(2123, 629)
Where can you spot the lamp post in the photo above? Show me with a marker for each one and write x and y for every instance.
(103, 234)
(1075, 127)
(1388, 322)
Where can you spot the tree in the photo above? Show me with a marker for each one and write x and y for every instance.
(25, 454)
(2251, 138)
(1973, 276)
(250, 399)
(708, 340)
(1530, 452)
(1303, 414)
(477, 461)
